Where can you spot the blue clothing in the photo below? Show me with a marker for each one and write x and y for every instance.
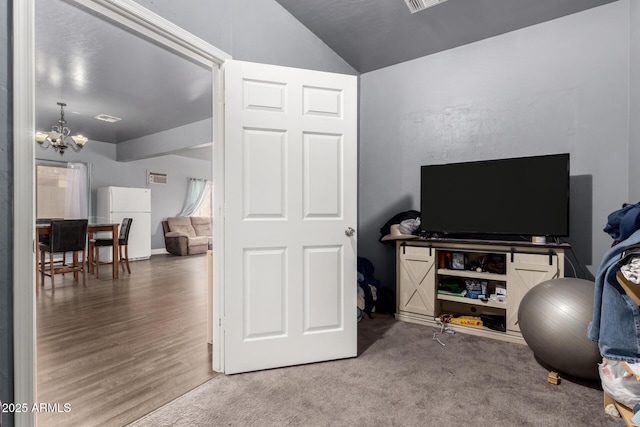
(616, 317)
(622, 223)
(365, 278)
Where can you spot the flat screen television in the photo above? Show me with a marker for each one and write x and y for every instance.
(504, 198)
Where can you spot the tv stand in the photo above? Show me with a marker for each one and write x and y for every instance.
(489, 237)
(423, 266)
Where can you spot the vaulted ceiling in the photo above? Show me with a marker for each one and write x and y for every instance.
(98, 68)
(372, 34)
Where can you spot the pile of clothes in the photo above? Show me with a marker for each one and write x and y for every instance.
(616, 315)
(372, 297)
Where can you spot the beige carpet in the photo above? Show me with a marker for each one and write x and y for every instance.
(400, 378)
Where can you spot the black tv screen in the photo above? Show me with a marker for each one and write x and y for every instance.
(526, 196)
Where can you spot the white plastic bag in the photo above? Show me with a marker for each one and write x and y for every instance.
(618, 383)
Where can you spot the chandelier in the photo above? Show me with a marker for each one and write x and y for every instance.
(59, 138)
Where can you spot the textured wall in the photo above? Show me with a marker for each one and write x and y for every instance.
(252, 30)
(560, 86)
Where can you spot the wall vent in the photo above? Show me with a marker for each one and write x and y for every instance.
(157, 178)
(418, 5)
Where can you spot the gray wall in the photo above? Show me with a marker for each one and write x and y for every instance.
(252, 30)
(180, 139)
(166, 200)
(560, 86)
(6, 217)
(634, 104)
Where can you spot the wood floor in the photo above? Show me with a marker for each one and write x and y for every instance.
(116, 350)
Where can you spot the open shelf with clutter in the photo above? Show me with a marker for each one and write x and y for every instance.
(477, 284)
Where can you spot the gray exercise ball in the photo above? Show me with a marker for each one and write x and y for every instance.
(553, 318)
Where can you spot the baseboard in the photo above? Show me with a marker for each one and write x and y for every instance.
(159, 251)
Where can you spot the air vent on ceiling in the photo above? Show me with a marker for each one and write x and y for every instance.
(107, 118)
(157, 178)
(418, 5)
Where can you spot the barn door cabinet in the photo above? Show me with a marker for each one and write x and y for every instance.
(424, 266)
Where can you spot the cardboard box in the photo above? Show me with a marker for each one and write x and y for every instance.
(466, 321)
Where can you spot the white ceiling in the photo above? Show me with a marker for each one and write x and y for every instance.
(97, 68)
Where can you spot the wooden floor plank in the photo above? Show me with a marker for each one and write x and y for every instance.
(117, 349)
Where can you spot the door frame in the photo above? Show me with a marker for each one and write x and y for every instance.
(143, 22)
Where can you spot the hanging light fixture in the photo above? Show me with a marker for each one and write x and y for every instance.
(59, 138)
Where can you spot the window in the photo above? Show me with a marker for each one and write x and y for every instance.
(198, 199)
(62, 190)
(204, 209)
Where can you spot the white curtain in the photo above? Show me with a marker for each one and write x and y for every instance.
(76, 203)
(195, 196)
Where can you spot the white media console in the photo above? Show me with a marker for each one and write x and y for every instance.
(422, 265)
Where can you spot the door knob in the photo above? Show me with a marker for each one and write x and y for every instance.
(349, 231)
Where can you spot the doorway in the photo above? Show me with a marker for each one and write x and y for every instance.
(141, 21)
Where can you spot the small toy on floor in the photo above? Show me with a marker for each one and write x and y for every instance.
(553, 378)
(443, 320)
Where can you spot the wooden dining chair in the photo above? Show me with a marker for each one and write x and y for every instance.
(123, 248)
(66, 236)
(44, 238)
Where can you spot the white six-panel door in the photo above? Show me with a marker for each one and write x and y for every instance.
(290, 200)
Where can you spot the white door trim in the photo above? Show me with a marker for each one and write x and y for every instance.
(138, 19)
(24, 320)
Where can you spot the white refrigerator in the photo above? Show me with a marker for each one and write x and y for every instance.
(114, 204)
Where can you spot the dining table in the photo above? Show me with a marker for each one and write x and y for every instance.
(45, 229)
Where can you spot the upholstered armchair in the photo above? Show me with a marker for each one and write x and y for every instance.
(187, 235)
